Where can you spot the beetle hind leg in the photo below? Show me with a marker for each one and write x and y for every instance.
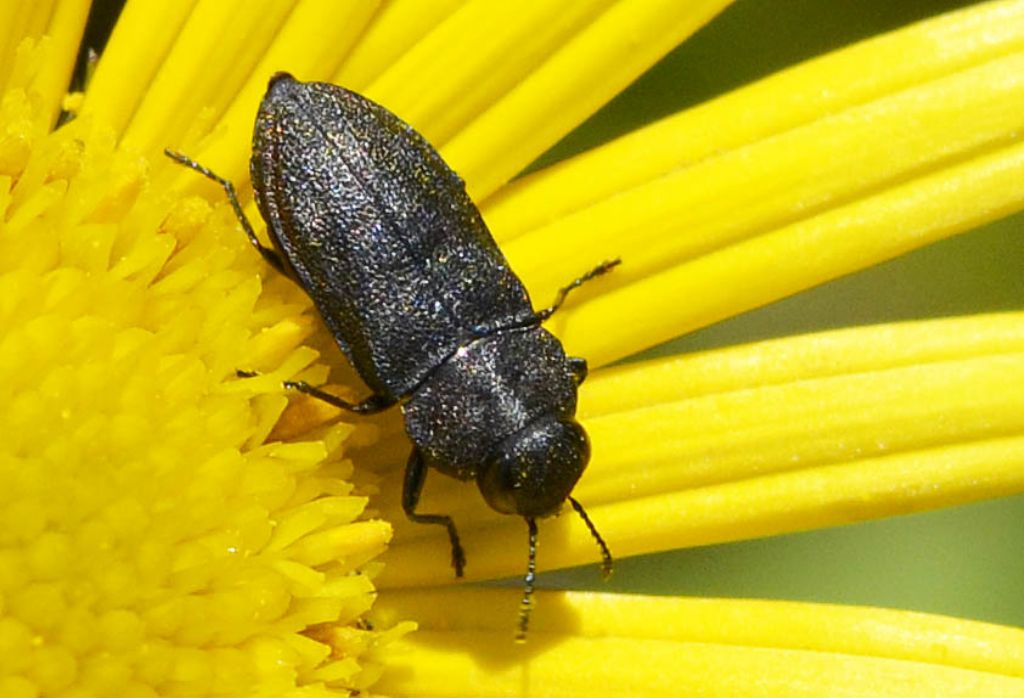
(415, 476)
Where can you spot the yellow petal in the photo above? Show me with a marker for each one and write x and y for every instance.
(792, 359)
(798, 256)
(793, 434)
(399, 25)
(851, 181)
(583, 74)
(193, 76)
(442, 68)
(310, 42)
(605, 644)
(38, 45)
(144, 33)
(797, 96)
(475, 56)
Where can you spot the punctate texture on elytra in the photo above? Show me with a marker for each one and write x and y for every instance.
(369, 220)
(380, 232)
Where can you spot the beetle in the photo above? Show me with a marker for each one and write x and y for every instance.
(368, 219)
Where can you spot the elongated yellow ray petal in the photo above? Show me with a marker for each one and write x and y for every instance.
(397, 27)
(795, 97)
(795, 175)
(474, 58)
(310, 43)
(607, 644)
(144, 33)
(196, 73)
(797, 256)
(451, 76)
(748, 434)
(815, 431)
(858, 185)
(612, 51)
(800, 358)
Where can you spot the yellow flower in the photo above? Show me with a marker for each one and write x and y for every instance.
(171, 530)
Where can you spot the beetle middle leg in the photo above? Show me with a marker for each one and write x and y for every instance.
(415, 476)
(371, 405)
(602, 268)
(268, 254)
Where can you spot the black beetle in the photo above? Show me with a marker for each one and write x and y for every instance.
(366, 217)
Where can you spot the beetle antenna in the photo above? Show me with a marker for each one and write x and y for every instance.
(606, 554)
(531, 574)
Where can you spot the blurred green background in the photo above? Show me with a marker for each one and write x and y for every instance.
(966, 561)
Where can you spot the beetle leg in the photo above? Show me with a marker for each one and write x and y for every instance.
(597, 271)
(269, 254)
(415, 476)
(578, 368)
(371, 405)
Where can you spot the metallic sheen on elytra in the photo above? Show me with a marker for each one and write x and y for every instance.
(369, 220)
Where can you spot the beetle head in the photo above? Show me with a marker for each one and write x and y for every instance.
(533, 471)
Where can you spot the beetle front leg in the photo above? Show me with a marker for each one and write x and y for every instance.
(271, 255)
(415, 476)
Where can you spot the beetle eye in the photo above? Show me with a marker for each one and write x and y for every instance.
(532, 471)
